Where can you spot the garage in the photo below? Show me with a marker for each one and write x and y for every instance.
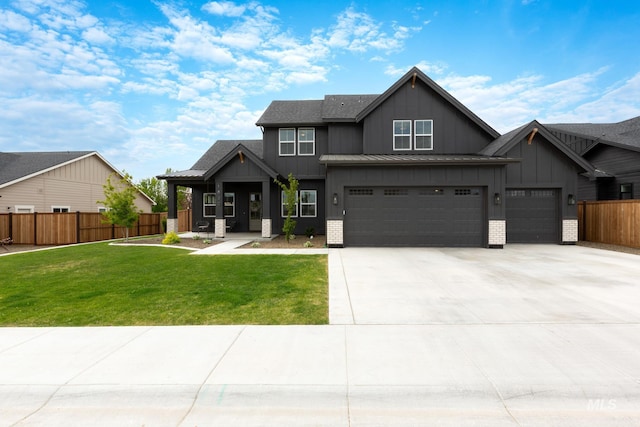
(414, 216)
(532, 215)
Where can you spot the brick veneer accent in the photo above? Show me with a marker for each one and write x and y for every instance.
(569, 230)
(172, 225)
(221, 228)
(335, 235)
(266, 227)
(497, 232)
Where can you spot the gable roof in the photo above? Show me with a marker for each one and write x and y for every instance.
(241, 150)
(625, 134)
(292, 113)
(345, 108)
(501, 145)
(16, 167)
(415, 73)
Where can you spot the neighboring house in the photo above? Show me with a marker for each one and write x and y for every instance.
(614, 149)
(56, 182)
(409, 167)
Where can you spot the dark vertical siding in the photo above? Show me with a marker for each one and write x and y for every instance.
(624, 164)
(345, 138)
(576, 143)
(453, 132)
(318, 223)
(300, 166)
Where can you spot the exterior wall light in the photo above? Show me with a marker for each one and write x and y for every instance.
(497, 200)
(571, 200)
(335, 198)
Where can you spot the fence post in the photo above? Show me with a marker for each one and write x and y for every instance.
(78, 227)
(35, 228)
(11, 225)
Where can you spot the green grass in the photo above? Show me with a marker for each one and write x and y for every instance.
(98, 284)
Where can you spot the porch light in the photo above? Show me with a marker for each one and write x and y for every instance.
(335, 198)
(497, 200)
(571, 200)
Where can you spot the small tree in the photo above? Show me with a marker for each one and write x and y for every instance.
(291, 199)
(157, 190)
(119, 201)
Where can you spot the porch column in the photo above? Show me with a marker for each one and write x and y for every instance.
(172, 207)
(220, 222)
(266, 209)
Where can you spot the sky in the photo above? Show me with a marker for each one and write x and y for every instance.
(152, 84)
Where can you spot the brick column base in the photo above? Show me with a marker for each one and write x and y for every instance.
(497, 233)
(221, 228)
(569, 231)
(335, 236)
(172, 225)
(266, 227)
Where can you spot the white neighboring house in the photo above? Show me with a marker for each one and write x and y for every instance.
(61, 181)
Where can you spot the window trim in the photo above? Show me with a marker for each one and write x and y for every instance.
(30, 208)
(62, 209)
(281, 142)
(232, 205)
(395, 148)
(416, 135)
(205, 205)
(312, 142)
(282, 205)
(314, 204)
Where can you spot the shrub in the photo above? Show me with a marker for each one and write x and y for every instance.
(310, 232)
(308, 244)
(256, 245)
(171, 238)
(196, 237)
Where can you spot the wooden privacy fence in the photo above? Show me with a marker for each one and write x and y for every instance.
(78, 227)
(614, 222)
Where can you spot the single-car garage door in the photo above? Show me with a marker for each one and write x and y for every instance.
(414, 216)
(532, 215)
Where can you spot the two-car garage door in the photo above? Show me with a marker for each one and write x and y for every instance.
(414, 216)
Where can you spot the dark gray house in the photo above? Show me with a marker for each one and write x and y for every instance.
(614, 149)
(409, 167)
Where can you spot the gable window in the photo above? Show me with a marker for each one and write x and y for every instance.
(284, 207)
(402, 135)
(308, 203)
(306, 141)
(229, 204)
(60, 209)
(287, 142)
(424, 135)
(209, 204)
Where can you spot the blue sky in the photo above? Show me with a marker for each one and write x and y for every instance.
(152, 84)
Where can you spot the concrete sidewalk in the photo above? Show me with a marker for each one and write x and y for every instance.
(531, 335)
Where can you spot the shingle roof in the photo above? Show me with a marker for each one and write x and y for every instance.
(15, 166)
(292, 113)
(214, 154)
(625, 133)
(344, 107)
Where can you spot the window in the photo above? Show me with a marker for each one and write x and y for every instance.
(626, 191)
(209, 204)
(288, 142)
(424, 135)
(229, 204)
(308, 203)
(402, 134)
(25, 209)
(284, 206)
(396, 192)
(361, 191)
(102, 209)
(306, 141)
(60, 209)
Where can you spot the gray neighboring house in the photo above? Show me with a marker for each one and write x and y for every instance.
(409, 167)
(614, 149)
(58, 181)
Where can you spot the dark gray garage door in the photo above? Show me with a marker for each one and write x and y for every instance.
(532, 216)
(414, 216)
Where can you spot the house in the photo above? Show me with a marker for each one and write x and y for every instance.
(614, 149)
(63, 181)
(409, 167)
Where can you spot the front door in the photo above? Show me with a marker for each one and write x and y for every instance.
(255, 211)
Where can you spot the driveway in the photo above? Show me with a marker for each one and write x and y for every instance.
(520, 284)
(525, 336)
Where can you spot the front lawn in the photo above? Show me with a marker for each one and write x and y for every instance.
(98, 284)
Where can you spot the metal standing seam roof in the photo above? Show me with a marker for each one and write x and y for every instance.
(411, 159)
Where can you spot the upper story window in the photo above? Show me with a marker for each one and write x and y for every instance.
(424, 135)
(402, 134)
(287, 142)
(302, 138)
(412, 135)
(306, 141)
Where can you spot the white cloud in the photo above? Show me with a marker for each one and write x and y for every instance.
(96, 36)
(12, 21)
(224, 8)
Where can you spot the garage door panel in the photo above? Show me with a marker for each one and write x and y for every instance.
(413, 216)
(532, 216)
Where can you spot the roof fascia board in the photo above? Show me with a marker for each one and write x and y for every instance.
(435, 87)
(232, 154)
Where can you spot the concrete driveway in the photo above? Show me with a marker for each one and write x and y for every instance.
(525, 336)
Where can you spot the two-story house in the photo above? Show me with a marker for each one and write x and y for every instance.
(409, 167)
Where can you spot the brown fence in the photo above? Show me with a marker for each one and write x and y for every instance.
(614, 222)
(78, 227)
